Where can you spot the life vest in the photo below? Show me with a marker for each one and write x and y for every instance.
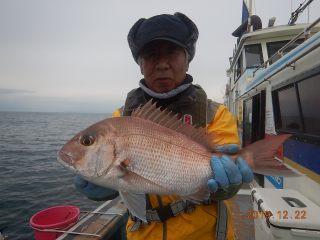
(201, 109)
(212, 218)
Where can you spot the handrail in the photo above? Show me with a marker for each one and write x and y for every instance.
(305, 31)
(280, 69)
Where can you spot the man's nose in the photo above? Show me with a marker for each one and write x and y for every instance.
(162, 62)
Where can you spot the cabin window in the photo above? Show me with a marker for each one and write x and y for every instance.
(289, 109)
(310, 99)
(247, 123)
(253, 56)
(296, 107)
(238, 68)
(273, 48)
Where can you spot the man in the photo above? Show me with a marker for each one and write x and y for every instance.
(163, 46)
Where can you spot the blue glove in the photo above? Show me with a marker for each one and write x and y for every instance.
(227, 172)
(92, 190)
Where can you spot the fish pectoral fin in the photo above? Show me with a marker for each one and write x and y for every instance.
(136, 204)
(202, 194)
(132, 175)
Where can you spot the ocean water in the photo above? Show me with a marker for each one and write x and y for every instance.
(31, 179)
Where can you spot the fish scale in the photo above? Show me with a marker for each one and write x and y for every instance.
(168, 157)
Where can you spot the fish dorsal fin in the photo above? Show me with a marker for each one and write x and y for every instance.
(150, 112)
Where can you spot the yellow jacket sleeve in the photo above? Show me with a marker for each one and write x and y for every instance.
(116, 113)
(225, 126)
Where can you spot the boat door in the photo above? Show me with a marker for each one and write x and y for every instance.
(254, 123)
(254, 118)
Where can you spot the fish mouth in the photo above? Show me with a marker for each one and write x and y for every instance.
(65, 158)
(64, 164)
(62, 160)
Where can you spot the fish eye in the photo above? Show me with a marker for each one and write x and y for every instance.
(87, 140)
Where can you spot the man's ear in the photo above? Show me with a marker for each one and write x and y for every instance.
(187, 67)
(140, 64)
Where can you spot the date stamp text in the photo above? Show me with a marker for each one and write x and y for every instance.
(280, 214)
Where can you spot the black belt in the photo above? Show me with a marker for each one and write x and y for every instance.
(161, 214)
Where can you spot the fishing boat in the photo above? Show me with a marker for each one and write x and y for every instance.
(272, 88)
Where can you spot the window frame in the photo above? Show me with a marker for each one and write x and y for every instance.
(261, 55)
(283, 41)
(242, 69)
(262, 112)
(293, 82)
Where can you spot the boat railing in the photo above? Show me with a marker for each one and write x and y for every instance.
(109, 219)
(305, 32)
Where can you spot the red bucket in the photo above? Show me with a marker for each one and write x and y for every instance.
(54, 218)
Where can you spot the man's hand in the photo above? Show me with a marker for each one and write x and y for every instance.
(93, 191)
(227, 172)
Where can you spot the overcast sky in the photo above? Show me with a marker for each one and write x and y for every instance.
(73, 56)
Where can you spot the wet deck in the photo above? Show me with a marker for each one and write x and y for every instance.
(240, 205)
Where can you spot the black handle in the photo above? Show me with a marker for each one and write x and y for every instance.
(291, 200)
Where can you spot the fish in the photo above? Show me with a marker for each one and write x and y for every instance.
(153, 152)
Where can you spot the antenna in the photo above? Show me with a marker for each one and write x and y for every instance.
(296, 13)
(308, 13)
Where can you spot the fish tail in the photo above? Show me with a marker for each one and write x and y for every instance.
(260, 157)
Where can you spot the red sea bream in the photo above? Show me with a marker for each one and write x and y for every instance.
(152, 152)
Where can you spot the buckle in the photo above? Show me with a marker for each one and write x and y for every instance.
(189, 209)
(135, 226)
(137, 222)
(207, 202)
(160, 214)
(178, 207)
(152, 216)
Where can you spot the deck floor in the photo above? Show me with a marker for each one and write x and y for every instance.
(240, 205)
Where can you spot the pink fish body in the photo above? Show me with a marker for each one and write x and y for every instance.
(151, 152)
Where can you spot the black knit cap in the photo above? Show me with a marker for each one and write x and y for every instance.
(177, 28)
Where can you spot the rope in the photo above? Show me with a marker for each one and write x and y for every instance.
(59, 193)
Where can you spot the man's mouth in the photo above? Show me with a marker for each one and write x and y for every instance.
(163, 78)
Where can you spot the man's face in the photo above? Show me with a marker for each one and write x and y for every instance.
(163, 65)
